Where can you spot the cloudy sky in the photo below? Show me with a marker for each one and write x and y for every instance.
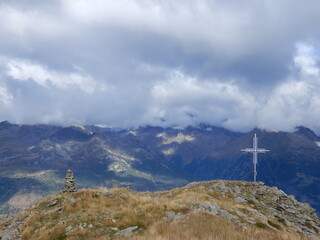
(127, 63)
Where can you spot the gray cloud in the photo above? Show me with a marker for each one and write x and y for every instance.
(125, 64)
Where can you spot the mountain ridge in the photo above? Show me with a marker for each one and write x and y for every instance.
(34, 158)
(200, 210)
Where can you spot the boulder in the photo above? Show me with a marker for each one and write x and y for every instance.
(127, 232)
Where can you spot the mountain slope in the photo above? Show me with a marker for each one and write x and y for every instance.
(34, 158)
(201, 210)
(214, 153)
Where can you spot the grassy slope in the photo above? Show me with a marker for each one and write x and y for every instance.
(122, 208)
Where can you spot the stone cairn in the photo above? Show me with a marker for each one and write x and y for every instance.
(69, 183)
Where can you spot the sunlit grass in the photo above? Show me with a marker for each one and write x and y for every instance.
(95, 214)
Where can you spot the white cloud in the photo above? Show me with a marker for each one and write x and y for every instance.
(5, 97)
(22, 25)
(127, 63)
(55, 117)
(183, 100)
(231, 30)
(25, 71)
(296, 101)
(306, 60)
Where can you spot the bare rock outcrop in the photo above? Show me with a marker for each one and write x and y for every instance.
(268, 206)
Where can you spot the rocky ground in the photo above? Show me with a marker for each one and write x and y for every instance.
(267, 205)
(10, 227)
(121, 213)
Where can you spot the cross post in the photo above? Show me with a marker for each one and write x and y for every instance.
(255, 150)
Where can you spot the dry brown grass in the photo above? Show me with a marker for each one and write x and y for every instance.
(207, 227)
(122, 208)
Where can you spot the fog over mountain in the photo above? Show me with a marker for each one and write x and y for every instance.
(124, 64)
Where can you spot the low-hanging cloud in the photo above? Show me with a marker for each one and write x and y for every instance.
(170, 63)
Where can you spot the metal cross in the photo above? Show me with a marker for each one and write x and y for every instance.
(255, 150)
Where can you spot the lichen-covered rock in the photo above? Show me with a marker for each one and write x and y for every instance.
(127, 232)
(207, 207)
(52, 203)
(9, 227)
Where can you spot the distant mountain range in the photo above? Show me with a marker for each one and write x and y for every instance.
(34, 159)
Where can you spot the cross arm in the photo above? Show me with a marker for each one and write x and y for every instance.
(262, 150)
(248, 150)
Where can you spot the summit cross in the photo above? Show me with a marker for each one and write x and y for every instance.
(255, 150)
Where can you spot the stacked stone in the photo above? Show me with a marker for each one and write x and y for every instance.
(69, 183)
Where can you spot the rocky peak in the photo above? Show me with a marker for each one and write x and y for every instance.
(268, 206)
(4, 124)
(252, 210)
(307, 133)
